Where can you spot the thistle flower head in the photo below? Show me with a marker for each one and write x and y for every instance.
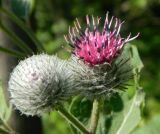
(39, 83)
(96, 47)
(108, 68)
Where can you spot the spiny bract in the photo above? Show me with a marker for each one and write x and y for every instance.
(102, 81)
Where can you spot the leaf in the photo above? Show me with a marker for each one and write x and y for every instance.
(18, 42)
(104, 124)
(22, 25)
(54, 123)
(125, 114)
(152, 127)
(12, 52)
(130, 51)
(81, 109)
(3, 131)
(5, 110)
(22, 8)
(125, 121)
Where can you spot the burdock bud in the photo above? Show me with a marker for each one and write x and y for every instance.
(101, 82)
(39, 83)
(103, 69)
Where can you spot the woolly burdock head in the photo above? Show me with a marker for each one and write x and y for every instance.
(38, 84)
(96, 47)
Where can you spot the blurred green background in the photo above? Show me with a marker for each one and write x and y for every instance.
(50, 20)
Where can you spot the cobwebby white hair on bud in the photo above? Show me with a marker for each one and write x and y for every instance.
(101, 81)
(39, 83)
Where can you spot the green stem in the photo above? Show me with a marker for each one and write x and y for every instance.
(3, 131)
(94, 117)
(8, 127)
(75, 122)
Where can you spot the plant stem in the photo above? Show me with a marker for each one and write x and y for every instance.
(3, 131)
(7, 127)
(75, 122)
(94, 117)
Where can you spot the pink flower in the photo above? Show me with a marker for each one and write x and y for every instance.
(94, 46)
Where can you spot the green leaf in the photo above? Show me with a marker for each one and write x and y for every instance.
(152, 127)
(4, 131)
(122, 115)
(26, 29)
(54, 123)
(18, 42)
(5, 110)
(130, 51)
(104, 124)
(125, 121)
(81, 108)
(22, 8)
(12, 52)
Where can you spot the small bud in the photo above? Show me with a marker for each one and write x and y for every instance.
(39, 83)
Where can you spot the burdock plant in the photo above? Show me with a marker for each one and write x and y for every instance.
(98, 70)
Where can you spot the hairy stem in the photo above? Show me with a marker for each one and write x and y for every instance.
(75, 122)
(94, 117)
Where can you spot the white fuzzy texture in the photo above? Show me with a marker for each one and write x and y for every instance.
(39, 83)
(101, 81)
